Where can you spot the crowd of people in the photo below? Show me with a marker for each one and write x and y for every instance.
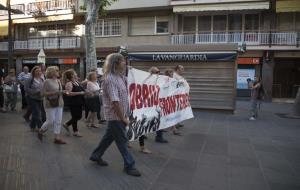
(47, 91)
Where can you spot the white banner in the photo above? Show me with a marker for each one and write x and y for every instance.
(156, 102)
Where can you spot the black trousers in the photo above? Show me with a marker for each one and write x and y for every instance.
(1, 97)
(76, 114)
(24, 102)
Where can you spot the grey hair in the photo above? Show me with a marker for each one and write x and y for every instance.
(110, 63)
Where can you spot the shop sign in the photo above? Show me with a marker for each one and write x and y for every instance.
(182, 56)
(52, 61)
(242, 76)
(248, 61)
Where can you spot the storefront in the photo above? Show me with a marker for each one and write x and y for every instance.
(210, 70)
(248, 68)
(62, 63)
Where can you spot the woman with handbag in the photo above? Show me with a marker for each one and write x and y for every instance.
(11, 90)
(73, 98)
(53, 103)
(92, 99)
(33, 88)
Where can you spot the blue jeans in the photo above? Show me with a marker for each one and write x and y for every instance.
(115, 132)
(36, 107)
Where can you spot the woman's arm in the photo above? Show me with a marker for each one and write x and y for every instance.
(69, 88)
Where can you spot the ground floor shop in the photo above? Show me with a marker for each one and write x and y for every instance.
(210, 71)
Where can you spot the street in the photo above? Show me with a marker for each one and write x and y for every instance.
(217, 151)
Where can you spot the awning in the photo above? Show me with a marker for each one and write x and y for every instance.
(287, 6)
(4, 28)
(221, 7)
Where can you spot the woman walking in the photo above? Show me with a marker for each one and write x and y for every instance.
(11, 90)
(53, 102)
(92, 99)
(33, 88)
(74, 99)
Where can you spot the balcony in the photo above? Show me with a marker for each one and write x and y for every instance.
(251, 38)
(67, 42)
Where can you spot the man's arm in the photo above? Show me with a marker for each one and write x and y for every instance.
(120, 114)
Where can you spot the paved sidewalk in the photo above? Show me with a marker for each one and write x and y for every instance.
(218, 152)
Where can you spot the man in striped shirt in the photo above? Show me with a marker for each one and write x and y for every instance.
(22, 77)
(116, 112)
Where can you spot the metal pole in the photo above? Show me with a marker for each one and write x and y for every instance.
(10, 40)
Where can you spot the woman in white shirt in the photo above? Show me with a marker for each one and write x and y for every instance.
(92, 99)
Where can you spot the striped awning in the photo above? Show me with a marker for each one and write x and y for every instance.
(222, 7)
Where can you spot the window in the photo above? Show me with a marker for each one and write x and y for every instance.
(141, 25)
(251, 22)
(235, 22)
(108, 27)
(204, 23)
(162, 25)
(189, 24)
(220, 23)
(285, 21)
(50, 30)
(297, 21)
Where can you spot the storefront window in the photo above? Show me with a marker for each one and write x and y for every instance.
(220, 23)
(189, 24)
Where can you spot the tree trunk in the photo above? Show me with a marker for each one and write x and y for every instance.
(92, 9)
(296, 109)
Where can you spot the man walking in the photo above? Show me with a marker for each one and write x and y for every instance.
(255, 87)
(116, 112)
(22, 77)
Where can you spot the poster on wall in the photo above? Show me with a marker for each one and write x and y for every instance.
(156, 102)
(242, 76)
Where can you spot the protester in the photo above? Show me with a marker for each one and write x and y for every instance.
(179, 70)
(1, 91)
(116, 112)
(22, 77)
(169, 73)
(159, 134)
(92, 99)
(53, 102)
(11, 90)
(255, 87)
(74, 99)
(33, 88)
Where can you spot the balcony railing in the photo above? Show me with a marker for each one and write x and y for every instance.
(251, 38)
(49, 43)
(68, 42)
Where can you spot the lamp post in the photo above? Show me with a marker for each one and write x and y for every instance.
(10, 38)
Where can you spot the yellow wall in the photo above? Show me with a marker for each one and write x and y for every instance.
(288, 6)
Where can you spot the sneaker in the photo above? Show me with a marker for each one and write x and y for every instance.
(100, 162)
(145, 150)
(161, 140)
(77, 134)
(252, 119)
(59, 141)
(133, 172)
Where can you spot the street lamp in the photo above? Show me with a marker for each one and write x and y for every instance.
(10, 40)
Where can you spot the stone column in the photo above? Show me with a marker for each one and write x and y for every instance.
(19, 66)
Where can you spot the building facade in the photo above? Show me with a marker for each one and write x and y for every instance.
(269, 28)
